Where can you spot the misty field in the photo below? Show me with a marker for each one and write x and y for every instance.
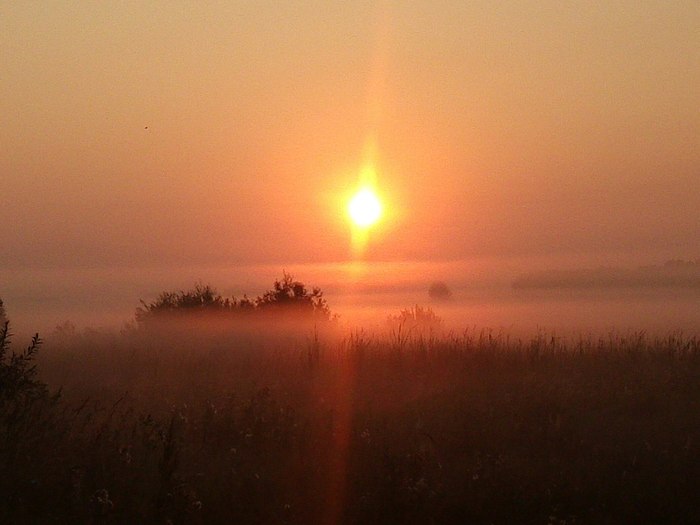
(281, 422)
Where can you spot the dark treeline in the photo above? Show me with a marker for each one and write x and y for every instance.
(673, 274)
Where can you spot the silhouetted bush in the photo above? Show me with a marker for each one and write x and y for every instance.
(416, 319)
(3, 313)
(287, 296)
(202, 298)
(29, 426)
(439, 290)
(18, 375)
(290, 295)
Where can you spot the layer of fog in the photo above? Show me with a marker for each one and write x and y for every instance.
(363, 294)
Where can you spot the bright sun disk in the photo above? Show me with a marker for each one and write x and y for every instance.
(365, 208)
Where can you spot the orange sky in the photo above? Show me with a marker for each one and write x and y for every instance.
(171, 133)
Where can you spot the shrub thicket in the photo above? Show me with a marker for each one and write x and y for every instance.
(288, 296)
(417, 319)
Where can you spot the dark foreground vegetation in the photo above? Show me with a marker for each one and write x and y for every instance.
(290, 421)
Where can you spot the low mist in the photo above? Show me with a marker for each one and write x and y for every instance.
(519, 297)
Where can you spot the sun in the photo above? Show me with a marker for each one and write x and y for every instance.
(364, 208)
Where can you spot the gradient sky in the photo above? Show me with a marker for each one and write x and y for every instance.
(176, 133)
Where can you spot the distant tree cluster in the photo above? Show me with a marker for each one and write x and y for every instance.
(439, 291)
(286, 296)
(681, 263)
(290, 294)
(676, 273)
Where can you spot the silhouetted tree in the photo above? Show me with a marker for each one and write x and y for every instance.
(287, 295)
(292, 295)
(439, 290)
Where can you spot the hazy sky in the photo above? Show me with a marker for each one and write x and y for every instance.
(175, 133)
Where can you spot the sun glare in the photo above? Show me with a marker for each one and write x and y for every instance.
(364, 208)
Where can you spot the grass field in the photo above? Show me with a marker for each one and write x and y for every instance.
(266, 422)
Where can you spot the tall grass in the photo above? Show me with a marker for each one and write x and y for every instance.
(222, 423)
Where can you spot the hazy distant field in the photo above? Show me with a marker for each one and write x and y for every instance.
(363, 294)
